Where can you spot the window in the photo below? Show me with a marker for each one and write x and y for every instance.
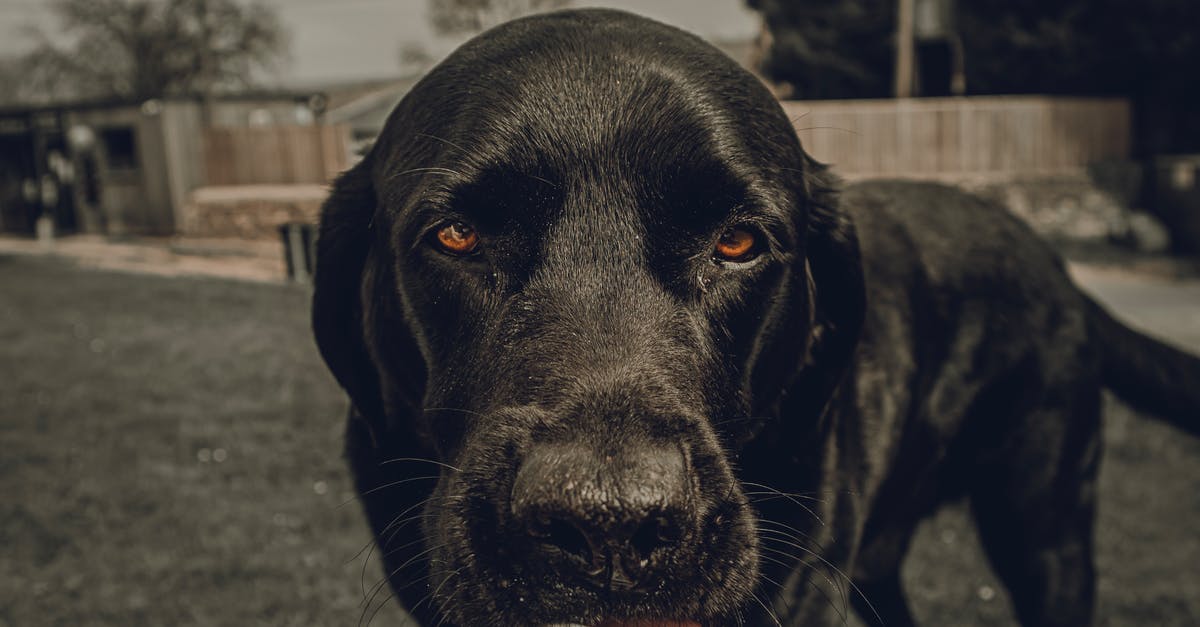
(120, 146)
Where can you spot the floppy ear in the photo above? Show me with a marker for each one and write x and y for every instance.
(368, 346)
(837, 299)
(343, 241)
(353, 288)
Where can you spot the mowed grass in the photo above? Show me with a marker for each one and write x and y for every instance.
(170, 454)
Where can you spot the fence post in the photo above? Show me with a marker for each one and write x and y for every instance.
(298, 250)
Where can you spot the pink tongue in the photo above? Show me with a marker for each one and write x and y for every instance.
(649, 623)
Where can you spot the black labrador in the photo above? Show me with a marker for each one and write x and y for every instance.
(620, 353)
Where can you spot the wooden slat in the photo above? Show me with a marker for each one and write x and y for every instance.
(977, 137)
(275, 154)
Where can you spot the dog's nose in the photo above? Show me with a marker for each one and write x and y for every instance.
(612, 516)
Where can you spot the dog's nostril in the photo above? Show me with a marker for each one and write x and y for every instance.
(654, 533)
(562, 535)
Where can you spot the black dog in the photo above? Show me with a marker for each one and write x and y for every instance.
(589, 298)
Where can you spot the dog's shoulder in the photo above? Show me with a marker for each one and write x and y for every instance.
(954, 240)
(959, 284)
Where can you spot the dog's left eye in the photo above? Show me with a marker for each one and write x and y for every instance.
(457, 238)
(736, 245)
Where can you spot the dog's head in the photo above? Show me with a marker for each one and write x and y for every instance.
(578, 271)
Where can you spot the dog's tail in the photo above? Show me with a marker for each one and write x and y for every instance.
(1146, 373)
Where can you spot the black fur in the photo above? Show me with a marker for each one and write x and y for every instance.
(600, 405)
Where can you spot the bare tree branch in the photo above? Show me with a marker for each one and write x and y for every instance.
(152, 48)
(461, 17)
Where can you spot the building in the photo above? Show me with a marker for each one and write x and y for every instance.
(122, 168)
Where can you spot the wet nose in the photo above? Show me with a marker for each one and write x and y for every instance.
(609, 517)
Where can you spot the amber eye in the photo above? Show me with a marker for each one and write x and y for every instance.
(458, 238)
(736, 245)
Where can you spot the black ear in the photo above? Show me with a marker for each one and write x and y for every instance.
(367, 343)
(343, 246)
(837, 296)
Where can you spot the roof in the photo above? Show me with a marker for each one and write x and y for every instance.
(367, 114)
(115, 103)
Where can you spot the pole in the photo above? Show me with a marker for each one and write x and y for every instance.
(206, 71)
(904, 49)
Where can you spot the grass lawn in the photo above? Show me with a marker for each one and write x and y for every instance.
(170, 454)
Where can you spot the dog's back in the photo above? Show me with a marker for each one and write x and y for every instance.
(979, 373)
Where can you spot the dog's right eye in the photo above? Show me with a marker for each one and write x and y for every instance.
(736, 245)
(456, 238)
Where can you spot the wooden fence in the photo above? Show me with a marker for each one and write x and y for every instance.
(962, 138)
(275, 154)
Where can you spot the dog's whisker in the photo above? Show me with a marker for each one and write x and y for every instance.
(430, 597)
(796, 543)
(391, 552)
(377, 588)
(808, 494)
(792, 532)
(835, 569)
(786, 496)
(797, 118)
(401, 518)
(370, 544)
(775, 495)
(433, 598)
(844, 608)
(400, 524)
(783, 591)
(385, 486)
(380, 540)
(776, 560)
(373, 612)
(464, 151)
(443, 140)
(455, 409)
(379, 607)
(420, 459)
(842, 613)
(425, 577)
(767, 609)
(795, 500)
(427, 170)
(368, 602)
(729, 421)
(418, 556)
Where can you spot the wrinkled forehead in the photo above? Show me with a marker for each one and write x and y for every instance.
(610, 138)
(559, 114)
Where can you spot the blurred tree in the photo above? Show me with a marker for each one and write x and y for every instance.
(141, 49)
(1146, 50)
(1080, 46)
(413, 57)
(840, 48)
(461, 17)
(13, 81)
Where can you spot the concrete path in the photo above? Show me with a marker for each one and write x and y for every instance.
(228, 258)
(1165, 308)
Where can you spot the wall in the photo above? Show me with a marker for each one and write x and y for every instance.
(133, 200)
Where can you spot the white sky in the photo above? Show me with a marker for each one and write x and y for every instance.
(336, 40)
